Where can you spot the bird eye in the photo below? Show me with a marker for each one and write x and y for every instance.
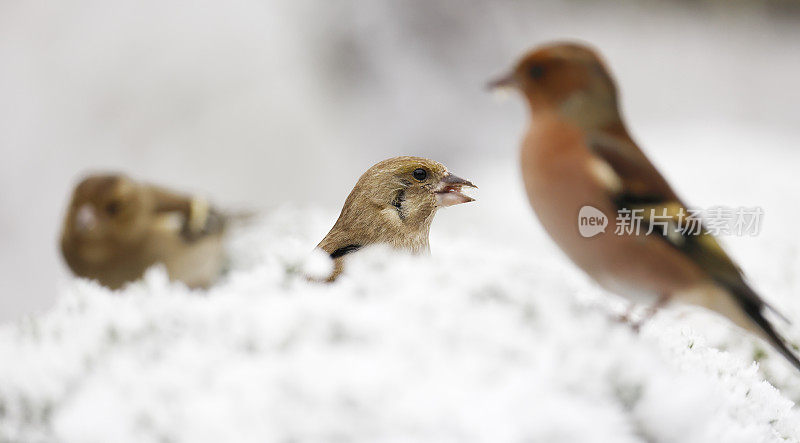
(536, 71)
(112, 208)
(420, 174)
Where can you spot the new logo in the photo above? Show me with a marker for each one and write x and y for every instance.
(591, 221)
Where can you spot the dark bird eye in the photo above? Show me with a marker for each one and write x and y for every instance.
(112, 208)
(420, 174)
(536, 71)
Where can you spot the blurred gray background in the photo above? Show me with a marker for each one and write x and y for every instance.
(258, 103)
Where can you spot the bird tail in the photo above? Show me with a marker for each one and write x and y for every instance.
(239, 217)
(754, 307)
(210, 221)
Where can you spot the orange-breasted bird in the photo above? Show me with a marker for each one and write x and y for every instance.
(393, 203)
(578, 152)
(115, 228)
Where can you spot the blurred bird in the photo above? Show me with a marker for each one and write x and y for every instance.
(116, 228)
(577, 152)
(393, 203)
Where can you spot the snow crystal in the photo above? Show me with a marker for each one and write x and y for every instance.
(482, 341)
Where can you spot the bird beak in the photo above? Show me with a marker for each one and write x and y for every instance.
(508, 81)
(448, 191)
(85, 218)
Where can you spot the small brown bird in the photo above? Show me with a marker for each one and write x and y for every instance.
(577, 153)
(116, 228)
(393, 203)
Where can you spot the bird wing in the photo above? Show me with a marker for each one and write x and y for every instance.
(643, 188)
(199, 218)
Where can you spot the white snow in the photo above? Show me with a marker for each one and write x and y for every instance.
(495, 337)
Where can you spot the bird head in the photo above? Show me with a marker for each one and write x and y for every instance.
(394, 202)
(567, 78)
(414, 187)
(105, 211)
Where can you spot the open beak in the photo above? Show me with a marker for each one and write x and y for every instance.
(507, 81)
(448, 191)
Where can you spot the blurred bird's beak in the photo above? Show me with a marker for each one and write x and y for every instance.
(448, 191)
(507, 81)
(85, 218)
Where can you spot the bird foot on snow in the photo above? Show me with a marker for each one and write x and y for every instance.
(626, 318)
(636, 325)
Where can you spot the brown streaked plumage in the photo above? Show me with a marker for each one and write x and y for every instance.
(577, 152)
(393, 202)
(115, 228)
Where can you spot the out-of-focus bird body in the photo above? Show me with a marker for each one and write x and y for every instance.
(116, 228)
(576, 153)
(561, 175)
(393, 203)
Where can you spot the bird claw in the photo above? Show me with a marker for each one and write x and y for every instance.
(625, 318)
(636, 325)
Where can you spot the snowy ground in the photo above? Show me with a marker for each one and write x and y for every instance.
(493, 338)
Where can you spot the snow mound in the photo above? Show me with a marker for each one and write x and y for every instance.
(483, 341)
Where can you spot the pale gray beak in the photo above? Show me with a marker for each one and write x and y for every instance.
(505, 82)
(85, 218)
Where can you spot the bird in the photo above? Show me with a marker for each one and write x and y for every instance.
(577, 152)
(115, 228)
(393, 203)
